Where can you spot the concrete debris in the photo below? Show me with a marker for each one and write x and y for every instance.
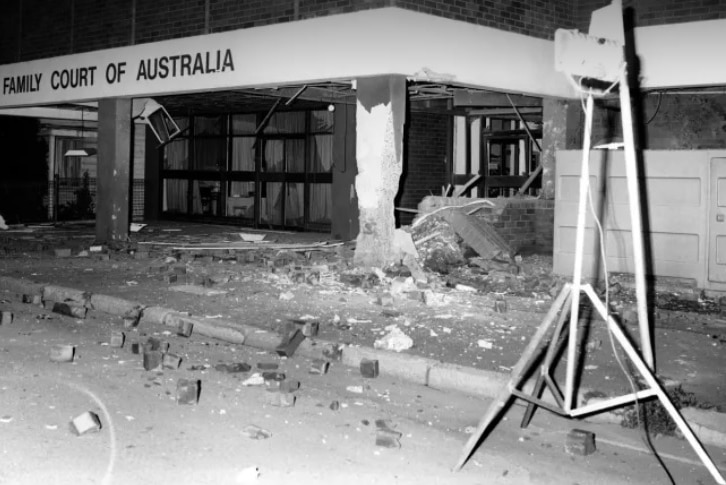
(187, 391)
(311, 329)
(152, 360)
(67, 309)
(290, 343)
(369, 368)
(170, 361)
(6, 318)
(255, 432)
(287, 296)
(255, 379)
(233, 368)
(580, 442)
(478, 234)
(62, 353)
(274, 397)
(319, 367)
(87, 422)
(395, 340)
(355, 389)
(388, 438)
(485, 344)
(334, 405)
(117, 339)
(267, 365)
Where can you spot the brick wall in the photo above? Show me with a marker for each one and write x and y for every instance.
(656, 12)
(425, 160)
(101, 24)
(538, 18)
(168, 19)
(526, 224)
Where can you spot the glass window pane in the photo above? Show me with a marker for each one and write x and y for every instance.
(244, 124)
(183, 123)
(295, 155)
(176, 155)
(209, 153)
(274, 156)
(286, 122)
(320, 203)
(295, 204)
(322, 121)
(243, 154)
(205, 197)
(175, 196)
(271, 204)
(209, 125)
(321, 153)
(241, 202)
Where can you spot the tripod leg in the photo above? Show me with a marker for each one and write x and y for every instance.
(531, 407)
(504, 398)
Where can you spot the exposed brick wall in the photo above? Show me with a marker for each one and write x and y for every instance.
(656, 12)
(101, 24)
(9, 32)
(168, 19)
(526, 224)
(45, 34)
(233, 14)
(538, 18)
(426, 156)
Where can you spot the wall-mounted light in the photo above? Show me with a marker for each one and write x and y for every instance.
(157, 118)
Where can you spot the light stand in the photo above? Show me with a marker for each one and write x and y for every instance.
(602, 60)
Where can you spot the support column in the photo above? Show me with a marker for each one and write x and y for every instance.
(114, 170)
(554, 137)
(345, 203)
(380, 117)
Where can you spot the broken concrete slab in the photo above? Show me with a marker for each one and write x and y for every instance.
(20, 286)
(289, 344)
(115, 306)
(62, 294)
(68, 309)
(319, 367)
(170, 361)
(152, 360)
(478, 234)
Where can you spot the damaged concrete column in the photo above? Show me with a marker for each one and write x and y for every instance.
(380, 117)
(114, 170)
(554, 137)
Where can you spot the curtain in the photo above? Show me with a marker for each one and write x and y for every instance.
(175, 190)
(321, 161)
(286, 122)
(243, 160)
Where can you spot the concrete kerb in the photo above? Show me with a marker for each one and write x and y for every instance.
(709, 426)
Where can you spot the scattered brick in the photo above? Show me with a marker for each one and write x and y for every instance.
(369, 368)
(33, 299)
(135, 348)
(74, 311)
(385, 299)
(333, 352)
(62, 353)
(187, 391)
(6, 318)
(500, 305)
(233, 368)
(152, 343)
(319, 367)
(273, 376)
(87, 422)
(267, 366)
(152, 359)
(288, 346)
(170, 279)
(170, 361)
(117, 339)
(276, 398)
(388, 438)
(289, 386)
(185, 328)
(310, 329)
(580, 442)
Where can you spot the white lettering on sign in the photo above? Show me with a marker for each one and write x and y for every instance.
(26, 83)
(184, 65)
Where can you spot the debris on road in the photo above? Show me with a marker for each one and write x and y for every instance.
(394, 340)
(580, 442)
(255, 432)
(87, 422)
(62, 353)
(187, 391)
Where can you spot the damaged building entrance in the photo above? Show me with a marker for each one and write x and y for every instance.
(270, 173)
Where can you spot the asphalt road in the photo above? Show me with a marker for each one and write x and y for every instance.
(147, 437)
